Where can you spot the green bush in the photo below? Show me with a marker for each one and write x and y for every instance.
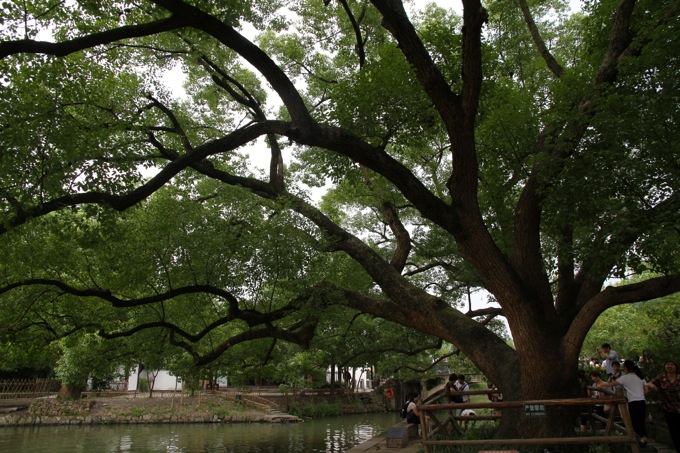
(218, 410)
(320, 409)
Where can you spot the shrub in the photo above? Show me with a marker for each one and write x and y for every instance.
(316, 410)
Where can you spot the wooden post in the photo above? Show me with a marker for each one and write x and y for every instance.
(628, 423)
(424, 429)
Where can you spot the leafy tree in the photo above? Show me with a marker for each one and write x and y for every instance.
(519, 149)
(85, 356)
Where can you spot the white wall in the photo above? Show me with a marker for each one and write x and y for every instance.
(361, 375)
(164, 381)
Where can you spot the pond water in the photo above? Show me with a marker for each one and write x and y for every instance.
(330, 435)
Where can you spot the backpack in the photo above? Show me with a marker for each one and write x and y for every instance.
(403, 413)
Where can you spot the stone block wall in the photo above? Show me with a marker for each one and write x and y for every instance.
(55, 408)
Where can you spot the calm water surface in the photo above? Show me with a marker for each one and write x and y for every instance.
(332, 435)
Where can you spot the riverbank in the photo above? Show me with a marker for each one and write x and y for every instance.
(202, 408)
(175, 407)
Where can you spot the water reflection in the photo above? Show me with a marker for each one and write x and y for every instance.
(319, 436)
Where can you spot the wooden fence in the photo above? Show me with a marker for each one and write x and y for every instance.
(430, 425)
(28, 388)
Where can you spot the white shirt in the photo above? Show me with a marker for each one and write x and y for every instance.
(411, 406)
(610, 357)
(634, 386)
(464, 387)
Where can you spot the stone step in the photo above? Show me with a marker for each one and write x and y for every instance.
(280, 417)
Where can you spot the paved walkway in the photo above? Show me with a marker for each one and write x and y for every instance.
(654, 446)
(379, 443)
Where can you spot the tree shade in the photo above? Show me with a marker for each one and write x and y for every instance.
(517, 149)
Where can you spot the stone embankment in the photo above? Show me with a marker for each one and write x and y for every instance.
(139, 411)
(171, 407)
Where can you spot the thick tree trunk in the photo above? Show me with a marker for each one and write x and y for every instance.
(70, 392)
(332, 383)
(546, 371)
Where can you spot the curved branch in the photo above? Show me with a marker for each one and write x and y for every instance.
(491, 311)
(357, 33)
(431, 366)
(391, 217)
(237, 138)
(228, 36)
(395, 20)
(241, 94)
(250, 317)
(620, 39)
(553, 65)
(620, 295)
(60, 49)
(300, 333)
(610, 244)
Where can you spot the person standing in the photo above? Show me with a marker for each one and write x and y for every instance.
(668, 386)
(609, 356)
(598, 408)
(616, 373)
(450, 389)
(634, 384)
(495, 398)
(644, 359)
(462, 386)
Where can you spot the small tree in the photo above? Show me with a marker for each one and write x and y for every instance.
(84, 356)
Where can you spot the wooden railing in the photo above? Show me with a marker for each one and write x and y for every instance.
(430, 425)
(27, 388)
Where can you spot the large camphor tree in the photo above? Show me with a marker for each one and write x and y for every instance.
(522, 148)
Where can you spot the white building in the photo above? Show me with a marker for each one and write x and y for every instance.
(360, 379)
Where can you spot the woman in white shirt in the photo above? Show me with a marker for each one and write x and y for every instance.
(634, 384)
(412, 413)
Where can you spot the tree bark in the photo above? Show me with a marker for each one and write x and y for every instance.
(70, 392)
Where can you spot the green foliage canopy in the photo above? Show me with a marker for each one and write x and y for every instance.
(521, 149)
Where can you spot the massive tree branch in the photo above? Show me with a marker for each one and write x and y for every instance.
(620, 295)
(251, 317)
(260, 324)
(620, 38)
(434, 317)
(557, 142)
